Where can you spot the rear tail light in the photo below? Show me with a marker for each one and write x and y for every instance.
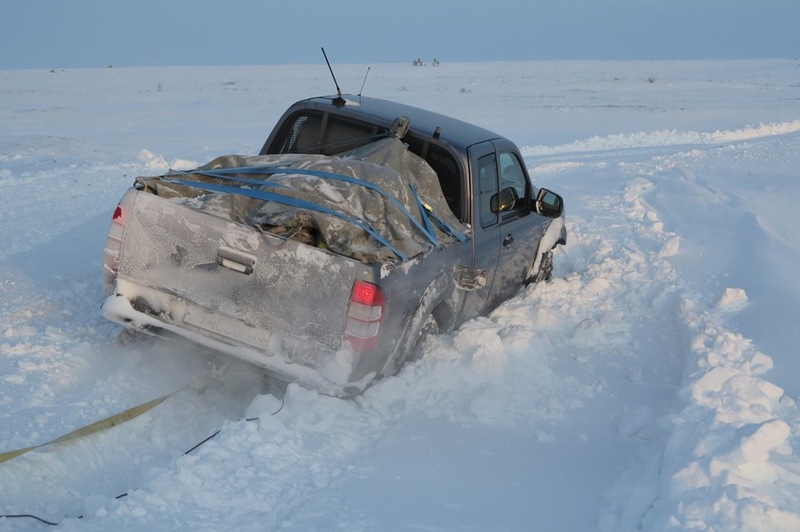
(114, 239)
(362, 328)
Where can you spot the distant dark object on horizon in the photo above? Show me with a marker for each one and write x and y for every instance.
(418, 62)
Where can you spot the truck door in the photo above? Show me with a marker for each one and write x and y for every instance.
(520, 228)
(485, 223)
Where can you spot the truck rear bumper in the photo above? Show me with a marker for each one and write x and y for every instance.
(323, 369)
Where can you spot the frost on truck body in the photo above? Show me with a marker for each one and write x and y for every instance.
(257, 256)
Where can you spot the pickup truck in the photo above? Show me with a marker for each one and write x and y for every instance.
(362, 226)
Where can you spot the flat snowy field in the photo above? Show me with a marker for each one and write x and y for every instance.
(651, 385)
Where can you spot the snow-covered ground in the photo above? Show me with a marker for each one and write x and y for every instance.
(652, 384)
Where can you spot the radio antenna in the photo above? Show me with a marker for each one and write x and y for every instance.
(364, 82)
(339, 100)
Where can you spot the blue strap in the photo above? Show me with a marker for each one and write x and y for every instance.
(222, 173)
(461, 237)
(292, 202)
(428, 214)
(226, 174)
(366, 184)
(423, 212)
(446, 227)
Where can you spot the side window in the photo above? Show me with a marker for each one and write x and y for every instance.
(512, 179)
(487, 188)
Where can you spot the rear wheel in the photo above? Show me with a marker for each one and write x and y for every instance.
(428, 329)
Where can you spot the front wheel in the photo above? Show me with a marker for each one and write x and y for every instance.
(545, 270)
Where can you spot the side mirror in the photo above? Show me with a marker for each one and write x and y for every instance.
(504, 200)
(548, 203)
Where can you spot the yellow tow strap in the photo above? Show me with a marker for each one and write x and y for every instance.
(103, 424)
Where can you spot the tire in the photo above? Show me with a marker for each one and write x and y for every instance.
(428, 328)
(545, 272)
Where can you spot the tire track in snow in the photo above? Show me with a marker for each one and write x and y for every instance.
(664, 138)
(727, 435)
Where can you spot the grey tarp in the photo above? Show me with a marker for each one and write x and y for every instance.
(385, 163)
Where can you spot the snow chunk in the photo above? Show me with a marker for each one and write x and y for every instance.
(736, 399)
(732, 300)
(157, 162)
(671, 247)
(152, 161)
(751, 459)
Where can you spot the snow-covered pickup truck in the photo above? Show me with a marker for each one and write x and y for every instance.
(362, 226)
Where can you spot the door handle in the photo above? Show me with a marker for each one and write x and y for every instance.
(507, 241)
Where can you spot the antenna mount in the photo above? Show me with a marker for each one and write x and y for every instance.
(339, 100)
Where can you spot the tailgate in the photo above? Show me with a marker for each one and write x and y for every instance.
(230, 270)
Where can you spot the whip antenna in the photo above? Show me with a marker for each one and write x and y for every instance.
(339, 100)
(363, 82)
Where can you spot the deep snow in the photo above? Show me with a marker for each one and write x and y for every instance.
(650, 385)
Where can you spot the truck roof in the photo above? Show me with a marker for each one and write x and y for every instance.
(424, 123)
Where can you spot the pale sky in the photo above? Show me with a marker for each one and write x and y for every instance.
(99, 33)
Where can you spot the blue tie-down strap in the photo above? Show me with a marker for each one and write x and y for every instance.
(222, 173)
(292, 202)
(444, 226)
(426, 211)
(423, 212)
(427, 215)
(226, 173)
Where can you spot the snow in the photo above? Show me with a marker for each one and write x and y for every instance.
(651, 385)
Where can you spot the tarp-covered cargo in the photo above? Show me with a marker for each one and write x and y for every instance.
(379, 202)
